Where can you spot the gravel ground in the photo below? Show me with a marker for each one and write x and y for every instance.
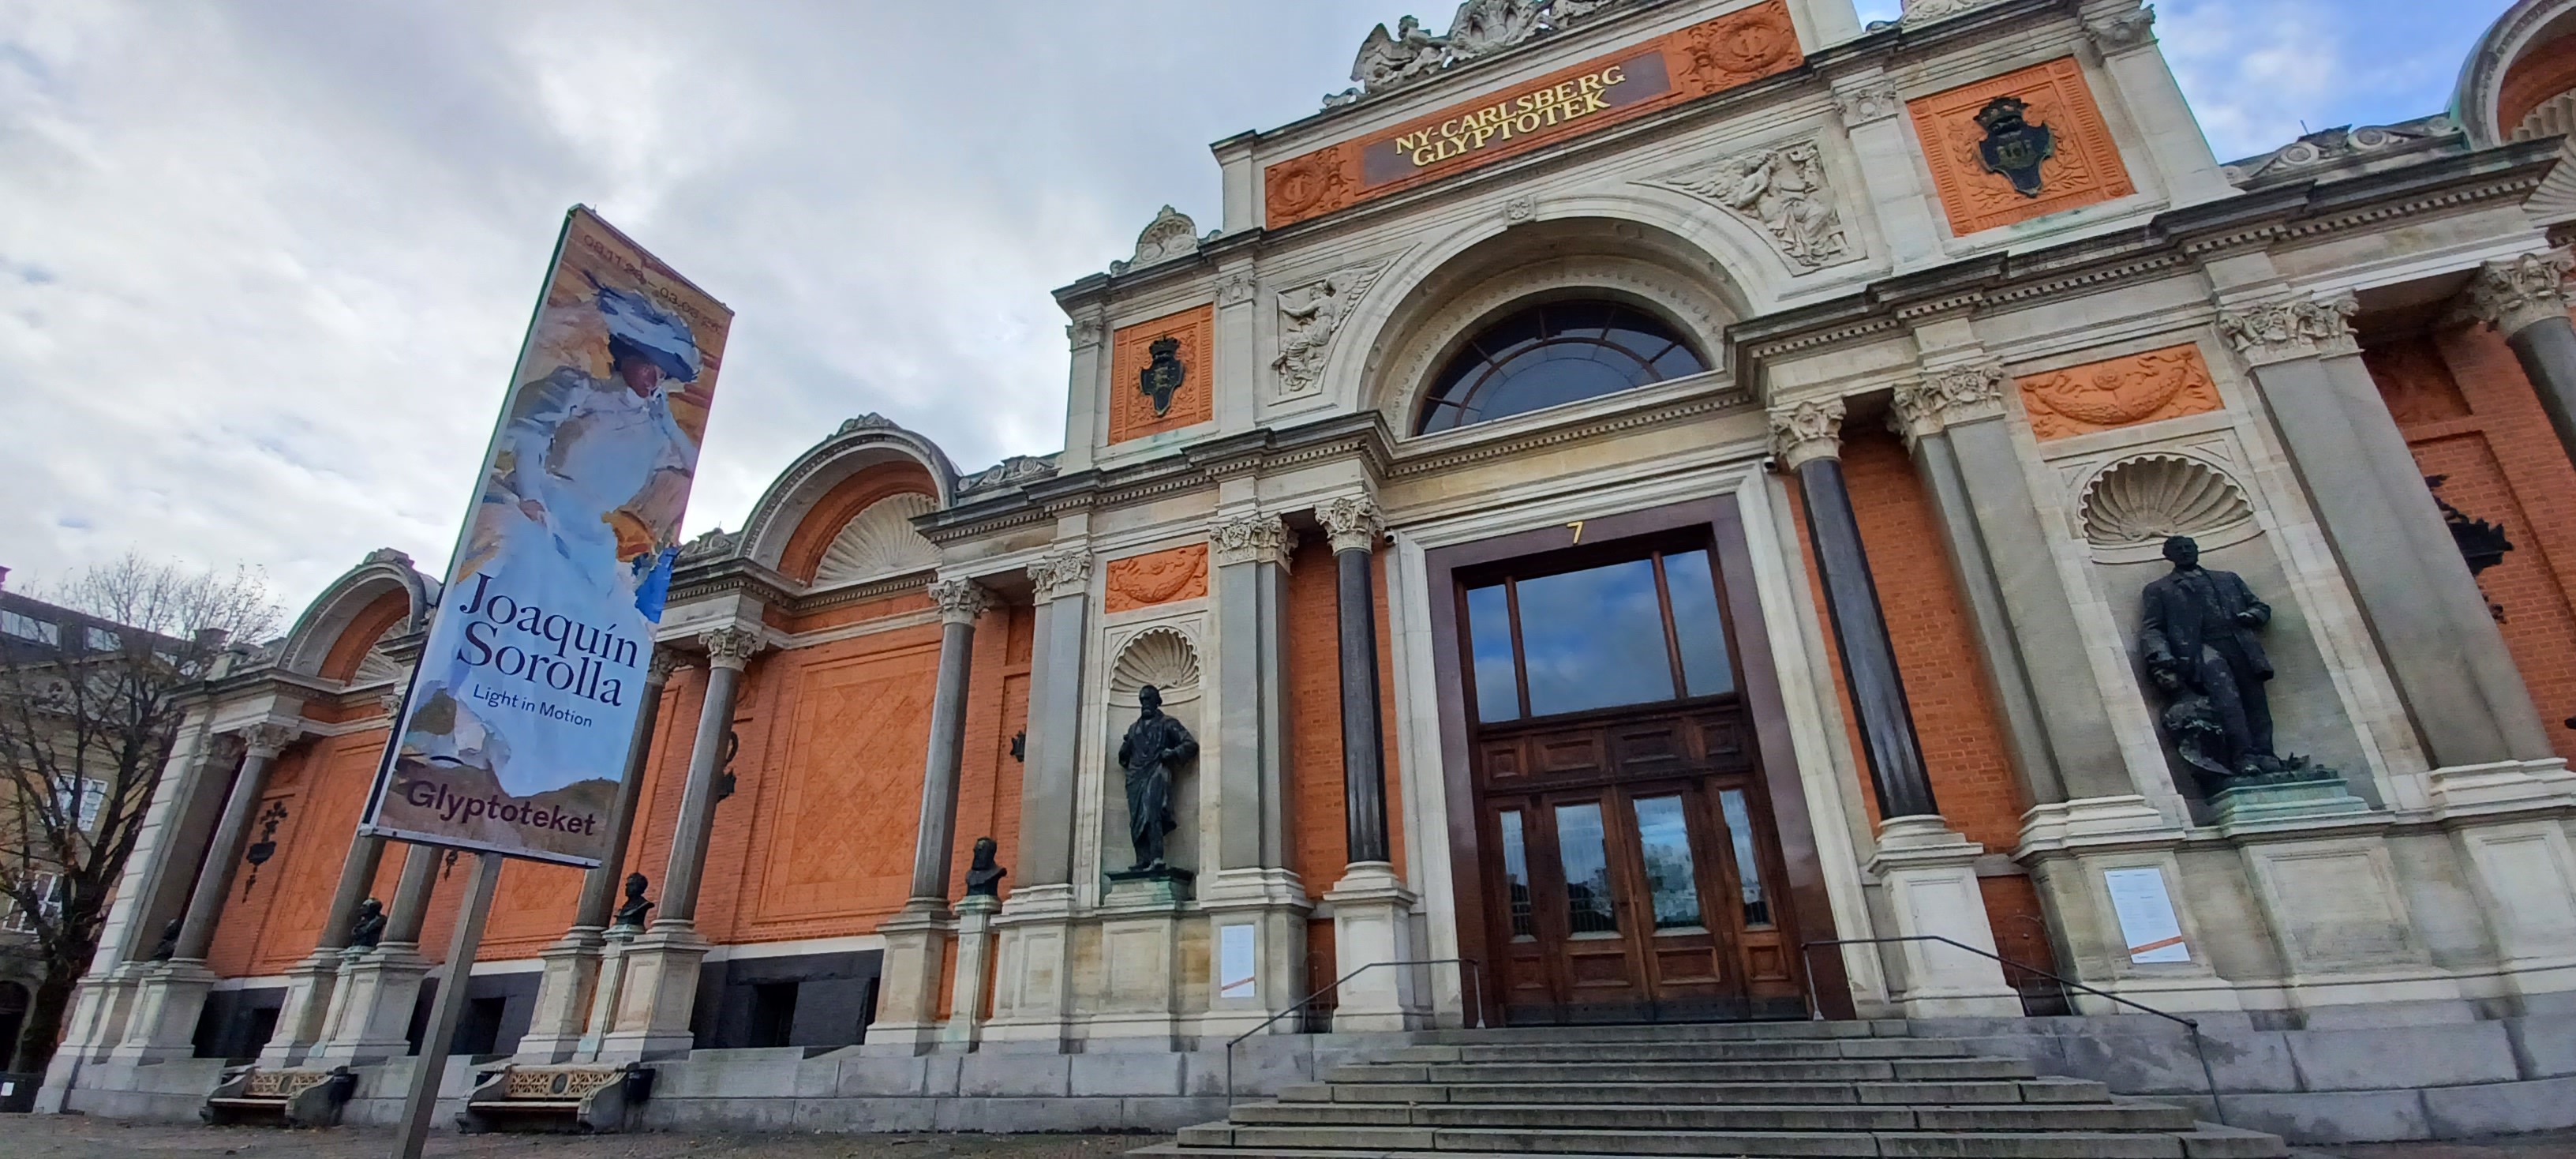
(82, 1137)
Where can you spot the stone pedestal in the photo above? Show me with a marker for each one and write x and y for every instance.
(655, 998)
(1373, 922)
(1140, 955)
(569, 975)
(1929, 872)
(2255, 805)
(379, 989)
(2070, 848)
(606, 994)
(974, 970)
(2506, 821)
(168, 998)
(2331, 898)
(915, 963)
(1256, 948)
(1033, 978)
(304, 1018)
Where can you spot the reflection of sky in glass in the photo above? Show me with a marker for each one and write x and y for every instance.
(1587, 869)
(1748, 869)
(1516, 875)
(1703, 635)
(1489, 637)
(1594, 638)
(1665, 840)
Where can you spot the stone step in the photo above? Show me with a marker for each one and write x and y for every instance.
(1667, 1032)
(1704, 1050)
(1262, 1140)
(1555, 1116)
(1793, 1070)
(2041, 1090)
(2207, 1141)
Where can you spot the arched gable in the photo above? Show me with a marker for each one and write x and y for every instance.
(380, 597)
(2526, 59)
(866, 461)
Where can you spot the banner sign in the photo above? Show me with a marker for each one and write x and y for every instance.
(522, 710)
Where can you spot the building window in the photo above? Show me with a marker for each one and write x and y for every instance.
(102, 640)
(1637, 631)
(27, 627)
(1552, 354)
(83, 808)
(49, 887)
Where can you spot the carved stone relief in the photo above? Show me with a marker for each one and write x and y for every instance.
(1170, 235)
(2288, 328)
(2083, 166)
(2119, 392)
(879, 542)
(2139, 501)
(1781, 191)
(1142, 581)
(1161, 656)
(1807, 431)
(1392, 60)
(1310, 315)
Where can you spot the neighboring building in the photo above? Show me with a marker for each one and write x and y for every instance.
(1620, 504)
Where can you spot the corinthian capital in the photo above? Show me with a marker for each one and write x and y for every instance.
(1804, 432)
(731, 647)
(1061, 573)
(960, 600)
(1352, 521)
(1250, 539)
(1956, 394)
(2510, 294)
(2287, 328)
(268, 738)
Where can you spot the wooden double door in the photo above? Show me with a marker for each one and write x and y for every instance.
(1633, 879)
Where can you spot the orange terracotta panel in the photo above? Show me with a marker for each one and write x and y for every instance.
(2085, 169)
(2119, 392)
(1131, 410)
(1142, 581)
(1710, 57)
(839, 813)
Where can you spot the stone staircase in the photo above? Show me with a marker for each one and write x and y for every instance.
(1744, 1089)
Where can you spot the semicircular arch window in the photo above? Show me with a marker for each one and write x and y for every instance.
(1551, 354)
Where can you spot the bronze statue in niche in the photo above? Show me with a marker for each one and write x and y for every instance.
(1155, 748)
(2201, 638)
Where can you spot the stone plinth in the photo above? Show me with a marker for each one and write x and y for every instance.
(974, 984)
(657, 994)
(379, 989)
(1930, 874)
(916, 953)
(1372, 923)
(168, 999)
(570, 974)
(2245, 805)
(304, 1018)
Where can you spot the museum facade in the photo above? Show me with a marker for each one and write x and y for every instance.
(1641, 511)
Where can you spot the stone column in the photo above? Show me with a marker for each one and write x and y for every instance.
(1255, 903)
(2525, 299)
(572, 964)
(2017, 601)
(371, 1007)
(2434, 631)
(1927, 869)
(917, 935)
(2156, 105)
(1870, 110)
(302, 1021)
(1372, 909)
(170, 997)
(1033, 984)
(661, 982)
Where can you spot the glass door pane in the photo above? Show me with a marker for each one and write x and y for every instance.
(1516, 876)
(1748, 863)
(1672, 878)
(1583, 850)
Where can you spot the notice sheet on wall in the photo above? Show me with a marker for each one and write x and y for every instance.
(1234, 970)
(2146, 914)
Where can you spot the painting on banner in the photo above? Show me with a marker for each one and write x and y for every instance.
(523, 707)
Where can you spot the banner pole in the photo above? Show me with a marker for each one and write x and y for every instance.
(431, 1064)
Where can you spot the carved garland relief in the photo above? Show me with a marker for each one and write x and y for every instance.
(1172, 399)
(1142, 581)
(1781, 191)
(2119, 392)
(1709, 57)
(2084, 167)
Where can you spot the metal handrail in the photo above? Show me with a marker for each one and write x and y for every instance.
(1472, 972)
(1807, 952)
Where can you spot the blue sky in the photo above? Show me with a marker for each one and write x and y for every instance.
(263, 265)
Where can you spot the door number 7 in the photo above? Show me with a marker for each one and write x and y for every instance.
(1577, 525)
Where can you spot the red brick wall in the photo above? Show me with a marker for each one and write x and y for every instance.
(1320, 847)
(2471, 417)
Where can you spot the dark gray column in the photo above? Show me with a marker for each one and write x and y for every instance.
(2525, 298)
(1807, 439)
(935, 841)
(599, 886)
(729, 651)
(412, 892)
(1062, 581)
(2432, 625)
(261, 744)
(1250, 554)
(357, 876)
(1355, 527)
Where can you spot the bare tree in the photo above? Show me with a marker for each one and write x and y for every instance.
(86, 723)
